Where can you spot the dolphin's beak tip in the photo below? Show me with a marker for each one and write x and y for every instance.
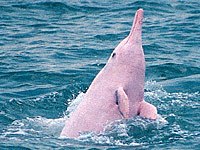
(140, 9)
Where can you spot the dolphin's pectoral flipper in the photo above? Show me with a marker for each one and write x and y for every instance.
(147, 110)
(122, 102)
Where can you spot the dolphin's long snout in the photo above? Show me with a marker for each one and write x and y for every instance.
(137, 25)
(135, 34)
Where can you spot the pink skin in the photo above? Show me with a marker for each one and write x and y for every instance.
(117, 92)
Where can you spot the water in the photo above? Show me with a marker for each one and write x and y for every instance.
(50, 51)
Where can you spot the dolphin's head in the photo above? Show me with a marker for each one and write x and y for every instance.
(129, 54)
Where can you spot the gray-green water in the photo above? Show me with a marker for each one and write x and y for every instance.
(50, 51)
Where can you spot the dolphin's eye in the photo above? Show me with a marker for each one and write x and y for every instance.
(113, 55)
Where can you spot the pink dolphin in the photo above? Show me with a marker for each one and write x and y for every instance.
(117, 91)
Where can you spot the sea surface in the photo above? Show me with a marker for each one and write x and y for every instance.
(51, 50)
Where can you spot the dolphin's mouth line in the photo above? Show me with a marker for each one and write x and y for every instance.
(134, 25)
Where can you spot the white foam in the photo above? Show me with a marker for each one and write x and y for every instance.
(74, 103)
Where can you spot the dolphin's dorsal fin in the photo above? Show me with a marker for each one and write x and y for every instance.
(122, 102)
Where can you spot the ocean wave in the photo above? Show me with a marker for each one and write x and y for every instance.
(63, 7)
